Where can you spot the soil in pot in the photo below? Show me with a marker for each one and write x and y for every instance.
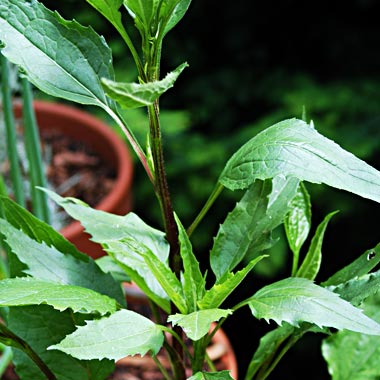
(84, 159)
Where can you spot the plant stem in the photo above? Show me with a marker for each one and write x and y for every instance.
(210, 201)
(11, 138)
(171, 230)
(33, 150)
(132, 140)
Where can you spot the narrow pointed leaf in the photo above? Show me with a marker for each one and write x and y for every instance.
(248, 227)
(197, 324)
(298, 221)
(167, 279)
(312, 262)
(214, 297)
(362, 265)
(67, 64)
(293, 148)
(173, 12)
(31, 291)
(296, 300)
(269, 345)
(48, 264)
(193, 280)
(133, 95)
(142, 11)
(123, 333)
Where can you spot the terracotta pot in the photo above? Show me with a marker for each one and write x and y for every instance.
(82, 126)
(220, 348)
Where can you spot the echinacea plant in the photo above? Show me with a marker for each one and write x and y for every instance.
(66, 318)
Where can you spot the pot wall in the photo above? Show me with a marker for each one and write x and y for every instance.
(82, 126)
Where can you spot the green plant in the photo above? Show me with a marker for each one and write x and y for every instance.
(67, 318)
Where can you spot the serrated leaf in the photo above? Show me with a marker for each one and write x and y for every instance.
(197, 324)
(295, 300)
(68, 63)
(49, 264)
(353, 356)
(193, 280)
(220, 375)
(133, 95)
(249, 225)
(360, 266)
(110, 230)
(358, 289)
(42, 326)
(293, 148)
(312, 262)
(298, 221)
(31, 291)
(121, 334)
(215, 296)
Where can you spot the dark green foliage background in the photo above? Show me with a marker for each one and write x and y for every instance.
(253, 64)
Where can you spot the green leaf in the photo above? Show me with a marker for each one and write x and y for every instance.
(268, 347)
(143, 13)
(298, 221)
(193, 281)
(31, 291)
(220, 375)
(296, 300)
(167, 279)
(49, 264)
(108, 265)
(214, 297)
(110, 10)
(113, 232)
(68, 63)
(197, 324)
(353, 356)
(312, 262)
(132, 95)
(249, 225)
(362, 265)
(358, 289)
(42, 326)
(172, 11)
(292, 148)
(123, 333)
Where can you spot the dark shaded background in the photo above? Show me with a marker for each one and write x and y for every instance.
(252, 64)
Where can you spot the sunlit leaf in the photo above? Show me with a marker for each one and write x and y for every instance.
(293, 148)
(31, 291)
(197, 324)
(132, 95)
(62, 58)
(123, 333)
(296, 300)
